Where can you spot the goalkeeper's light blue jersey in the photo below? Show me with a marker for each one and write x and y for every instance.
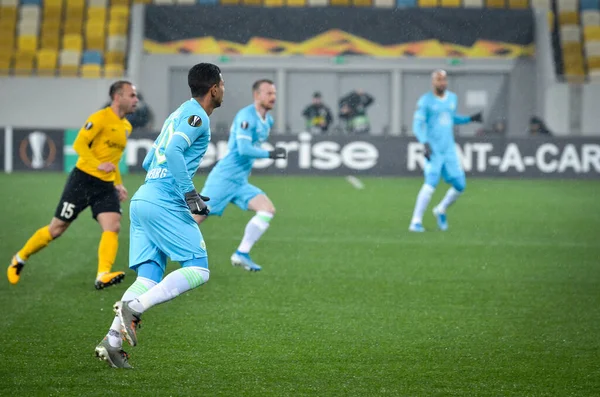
(434, 121)
(175, 157)
(248, 131)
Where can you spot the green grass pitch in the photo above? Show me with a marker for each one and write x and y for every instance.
(506, 303)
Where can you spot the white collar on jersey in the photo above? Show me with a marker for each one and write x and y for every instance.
(260, 117)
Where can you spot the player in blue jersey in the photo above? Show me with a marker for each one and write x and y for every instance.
(433, 125)
(228, 180)
(161, 213)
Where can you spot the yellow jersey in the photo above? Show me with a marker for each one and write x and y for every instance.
(102, 139)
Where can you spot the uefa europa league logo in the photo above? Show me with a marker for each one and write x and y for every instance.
(41, 153)
(37, 140)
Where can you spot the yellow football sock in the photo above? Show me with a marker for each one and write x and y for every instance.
(39, 240)
(107, 251)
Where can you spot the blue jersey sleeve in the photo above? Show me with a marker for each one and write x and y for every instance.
(460, 119)
(188, 130)
(420, 120)
(245, 131)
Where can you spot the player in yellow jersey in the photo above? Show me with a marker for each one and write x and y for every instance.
(96, 182)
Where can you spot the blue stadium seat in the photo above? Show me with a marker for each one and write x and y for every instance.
(31, 2)
(208, 2)
(589, 5)
(92, 57)
(406, 3)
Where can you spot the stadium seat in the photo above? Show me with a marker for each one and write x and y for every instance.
(30, 12)
(8, 13)
(95, 42)
(28, 28)
(566, 5)
(69, 63)
(23, 63)
(9, 3)
(72, 42)
(314, 3)
(594, 75)
(5, 62)
(251, 2)
(273, 3)
(185, 2)
(118, 27)
(591, 33)
(31, 2)
(570, 33)
(7, 26)
(114, 57)
(593, 62)
(362, 3)
(590, 18)
(406, 3)
(52, 13)
(427, 3)
(208, 2)
(46, 61)
(96, 14)
(589, 5)
(342, 3)
(7, 43)
(119, 13)
(568, 18)
(450, 3)
(518, 4)
(289, 3)
(495, 3)
(94, 57)
(50, 40)
(99, 3)
(125, 3)
(91, 71)
(113, 70)
(473, 3)
(384, 3)
(73, 26)
(572, 50)
(117, 43)
(27, 43)
(592, 49)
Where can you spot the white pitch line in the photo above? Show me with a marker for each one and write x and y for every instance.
(354, 181)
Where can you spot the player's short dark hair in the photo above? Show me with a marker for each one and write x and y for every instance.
(117, 87)
(202, 77)
(258, 83)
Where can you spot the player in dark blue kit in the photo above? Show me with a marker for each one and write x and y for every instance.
(228, 182)
(161, 212)
(433, 125)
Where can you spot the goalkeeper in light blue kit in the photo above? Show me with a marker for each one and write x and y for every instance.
(161, 214)
(228, 182)
(433, 125)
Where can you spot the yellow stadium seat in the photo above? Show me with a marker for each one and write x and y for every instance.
(53, 3)
(46, 62)
(7, 43)
(428, 3)
(50, 40)
(112, 70)
(518, 4)
(593, 62)
(273, 3)
(495, 3)
(75, 4)
(51, 24)
(96, 14)
(118, 27)
(91, 71)
(362, 3)
(7, 26)
(52, 13)
(117, 57)
(296, 3)
(229, 2)
(23, 63)
(120, 2)
(72, 42)
(94, 28)
(572, 48)
(73, 26)
(339, 2)
(27, 43)
(5, 62)
(252, 2)
(8, 13)
(591, 33)
(450, 3)
(568, 18)
(119, 13)
(97, 42)
(141, 2)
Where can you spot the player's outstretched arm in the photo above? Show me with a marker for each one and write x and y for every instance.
(475, 118)
(246, 148)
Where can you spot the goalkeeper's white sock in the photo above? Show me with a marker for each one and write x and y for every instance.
(140, 286)
(423, 199)
(254, 229)
(451, 196)
(176, 283)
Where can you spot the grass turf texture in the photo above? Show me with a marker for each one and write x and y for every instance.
(507, 302)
